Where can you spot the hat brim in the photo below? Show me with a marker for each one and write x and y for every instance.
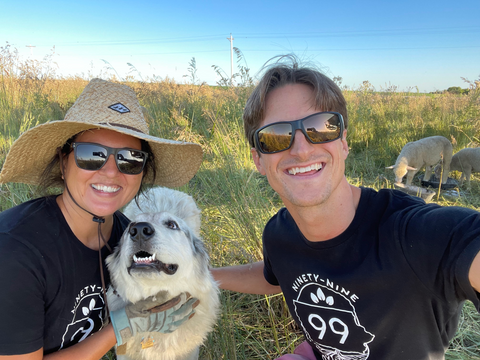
(176, 162)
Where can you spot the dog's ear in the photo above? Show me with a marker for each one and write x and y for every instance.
(194, 221)
(199, 252)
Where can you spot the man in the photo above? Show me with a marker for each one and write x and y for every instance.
(366, 274)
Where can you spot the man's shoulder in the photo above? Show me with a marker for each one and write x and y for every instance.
(387, 202)
(394, 197)
(415, 205)
(411, 215)
(281, 222)
(281, 215)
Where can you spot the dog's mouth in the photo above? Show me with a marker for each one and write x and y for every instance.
(144, 261)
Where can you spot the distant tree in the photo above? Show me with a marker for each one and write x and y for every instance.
(454, 90)
(457, 90)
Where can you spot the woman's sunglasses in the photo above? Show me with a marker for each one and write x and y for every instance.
(91, 156)
(318, 128)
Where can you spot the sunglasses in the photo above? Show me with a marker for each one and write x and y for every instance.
(91, 156)
(318, 128)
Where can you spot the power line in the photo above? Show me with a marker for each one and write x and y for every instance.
(318, 34)
(300, 50)
(400, 31)
(30, 46)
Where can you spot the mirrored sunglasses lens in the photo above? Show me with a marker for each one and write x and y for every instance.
(276, 137)
(323, 127)
(130, 161)
(90, 157)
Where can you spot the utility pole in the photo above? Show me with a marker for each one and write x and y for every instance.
(231, 58)
(30, 46)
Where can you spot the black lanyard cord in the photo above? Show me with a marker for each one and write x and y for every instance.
(98, 219)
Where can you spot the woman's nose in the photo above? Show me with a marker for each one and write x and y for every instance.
(110, 166)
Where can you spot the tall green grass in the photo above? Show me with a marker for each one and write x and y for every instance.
(236, 201)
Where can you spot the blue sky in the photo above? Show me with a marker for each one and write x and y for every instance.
(427, 45)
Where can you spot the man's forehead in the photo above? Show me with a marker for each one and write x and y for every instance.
(289, 102)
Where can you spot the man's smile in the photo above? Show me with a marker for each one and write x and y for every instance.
(302, 170)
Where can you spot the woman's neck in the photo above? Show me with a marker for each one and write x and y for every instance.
(82, 225)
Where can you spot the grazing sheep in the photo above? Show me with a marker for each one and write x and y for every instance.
(424, 152)
(466, 161)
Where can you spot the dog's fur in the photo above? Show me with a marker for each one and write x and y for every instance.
(175, 245)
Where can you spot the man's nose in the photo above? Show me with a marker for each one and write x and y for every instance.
(300, 144)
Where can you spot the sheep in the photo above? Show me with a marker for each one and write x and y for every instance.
(466, 161)
(424, 152)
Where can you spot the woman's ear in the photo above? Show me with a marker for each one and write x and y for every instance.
(62, 161)
(345, 144)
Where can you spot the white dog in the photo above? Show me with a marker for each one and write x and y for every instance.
(171, 261)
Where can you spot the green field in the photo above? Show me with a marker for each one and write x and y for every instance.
(235, 200)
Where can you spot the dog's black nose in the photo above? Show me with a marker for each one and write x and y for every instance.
(141, 231)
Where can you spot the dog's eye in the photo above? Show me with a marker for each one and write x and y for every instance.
(172, 225)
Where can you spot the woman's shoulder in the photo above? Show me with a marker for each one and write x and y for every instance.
(121, 220)
(29, 215)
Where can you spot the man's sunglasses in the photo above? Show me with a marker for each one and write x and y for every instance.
(318, 128)
(91, 156)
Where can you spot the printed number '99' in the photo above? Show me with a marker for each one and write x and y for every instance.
(335, 325)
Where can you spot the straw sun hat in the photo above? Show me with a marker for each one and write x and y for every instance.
(102, 105)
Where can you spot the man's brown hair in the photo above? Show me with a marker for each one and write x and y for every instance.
(328, 96)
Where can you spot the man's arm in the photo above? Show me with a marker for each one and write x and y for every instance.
(245, 279)
(474, 274)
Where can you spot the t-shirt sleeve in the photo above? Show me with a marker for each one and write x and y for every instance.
(267, 267)
(267, 271)
(22, 280)
(440, 245)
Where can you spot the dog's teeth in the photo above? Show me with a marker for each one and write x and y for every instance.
(144, 260)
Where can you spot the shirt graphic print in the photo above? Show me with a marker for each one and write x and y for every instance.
(87, 316)
(330, 323)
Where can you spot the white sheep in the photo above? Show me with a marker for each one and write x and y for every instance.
(466, 161)
(424, 152)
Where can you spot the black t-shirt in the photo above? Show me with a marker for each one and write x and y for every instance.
(51, 286)
(390, 287)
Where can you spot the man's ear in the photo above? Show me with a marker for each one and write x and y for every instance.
(257, 160)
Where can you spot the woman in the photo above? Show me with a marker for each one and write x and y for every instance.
(52, 249)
